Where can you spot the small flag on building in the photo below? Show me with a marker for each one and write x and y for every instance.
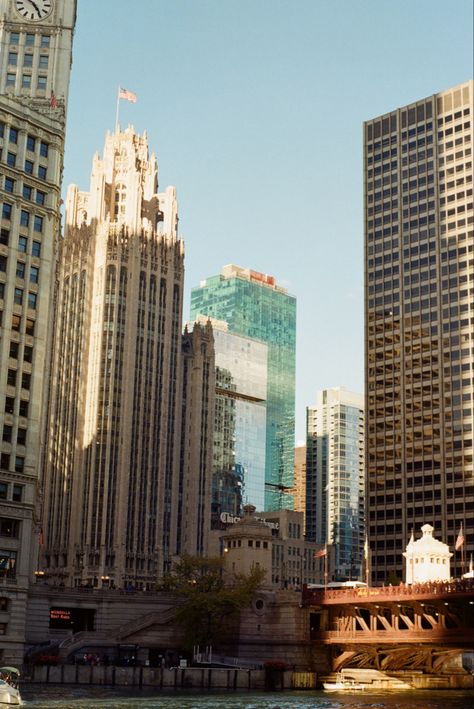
(460, 539)
(366, 547)
(53, 101)
(319, 554)
(127, 95)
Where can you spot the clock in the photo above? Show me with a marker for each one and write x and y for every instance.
(34, 10)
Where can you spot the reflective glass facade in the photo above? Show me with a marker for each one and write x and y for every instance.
(335, 479)
(241, 422)
(253, 306)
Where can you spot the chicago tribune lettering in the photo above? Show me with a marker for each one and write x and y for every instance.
(227, 518)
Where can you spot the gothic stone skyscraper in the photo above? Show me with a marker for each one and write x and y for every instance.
(112, 476)
(419, 324)
(35, 65)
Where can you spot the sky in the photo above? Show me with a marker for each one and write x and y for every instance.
(254, 109)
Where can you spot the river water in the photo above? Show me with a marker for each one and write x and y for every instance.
(73, 697)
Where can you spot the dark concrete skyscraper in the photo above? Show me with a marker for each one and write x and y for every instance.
(419, 324)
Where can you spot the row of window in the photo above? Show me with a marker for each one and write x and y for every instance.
(41, 81)
(29, 39)
(43, 60)
(8, 435)
(25, 217)
(22, 244)
(28, 191)
(19, 462)
(31, 141)
(20, 271)
(29, 166)
(9, 527)
(17, 323)
(8, 561)
(32, 298)
(12, 375)
(13, 492)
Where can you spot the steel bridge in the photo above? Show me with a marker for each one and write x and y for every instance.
(424, 627)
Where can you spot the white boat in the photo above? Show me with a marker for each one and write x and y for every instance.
(344, 684)
(9, 690)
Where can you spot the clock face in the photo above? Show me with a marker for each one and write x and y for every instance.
(34, 9)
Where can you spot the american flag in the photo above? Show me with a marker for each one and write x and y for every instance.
(320, 553)
(460, 539)
(127, 95)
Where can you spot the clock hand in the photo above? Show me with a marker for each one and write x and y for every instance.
(35, 6)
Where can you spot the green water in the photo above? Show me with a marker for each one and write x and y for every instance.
(64, 697)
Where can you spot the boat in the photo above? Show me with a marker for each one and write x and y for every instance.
(9, 689)
(344, 684)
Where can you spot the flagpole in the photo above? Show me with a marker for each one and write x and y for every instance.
(366, 555)
(463, 570)
(455, 552)
(117, 110)
(325, 567)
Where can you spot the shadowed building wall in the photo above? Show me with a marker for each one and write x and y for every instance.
(35, 66)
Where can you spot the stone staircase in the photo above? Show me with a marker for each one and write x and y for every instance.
(79, 640)
(144, 621)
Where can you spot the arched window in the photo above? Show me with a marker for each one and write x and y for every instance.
(120, 197)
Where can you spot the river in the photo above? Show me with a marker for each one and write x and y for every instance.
(74, 697)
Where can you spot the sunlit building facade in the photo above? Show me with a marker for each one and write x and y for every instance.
(299, 490)
(119, 500)
(335, 474)
(419, 324)
(255, 307)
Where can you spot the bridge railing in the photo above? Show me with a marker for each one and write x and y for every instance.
(349, 595)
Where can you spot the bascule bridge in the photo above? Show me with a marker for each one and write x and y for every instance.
(424, 627)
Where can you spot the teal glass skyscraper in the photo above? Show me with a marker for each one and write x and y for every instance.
(254, 306)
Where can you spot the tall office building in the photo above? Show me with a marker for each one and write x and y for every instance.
(196, 441)
(116, 467)
(335, 478)
(35, 64)
(419, 324)
(240, 422)
(254, 306)
(299, 490)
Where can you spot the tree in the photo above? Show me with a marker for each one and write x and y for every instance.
(393, 579)
(211, 598)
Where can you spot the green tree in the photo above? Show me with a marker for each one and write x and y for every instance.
(210, 597)
(393, 579)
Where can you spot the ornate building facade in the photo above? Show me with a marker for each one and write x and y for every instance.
(113, 487)
(35, 64)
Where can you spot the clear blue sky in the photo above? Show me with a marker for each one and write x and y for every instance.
(254, 109)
